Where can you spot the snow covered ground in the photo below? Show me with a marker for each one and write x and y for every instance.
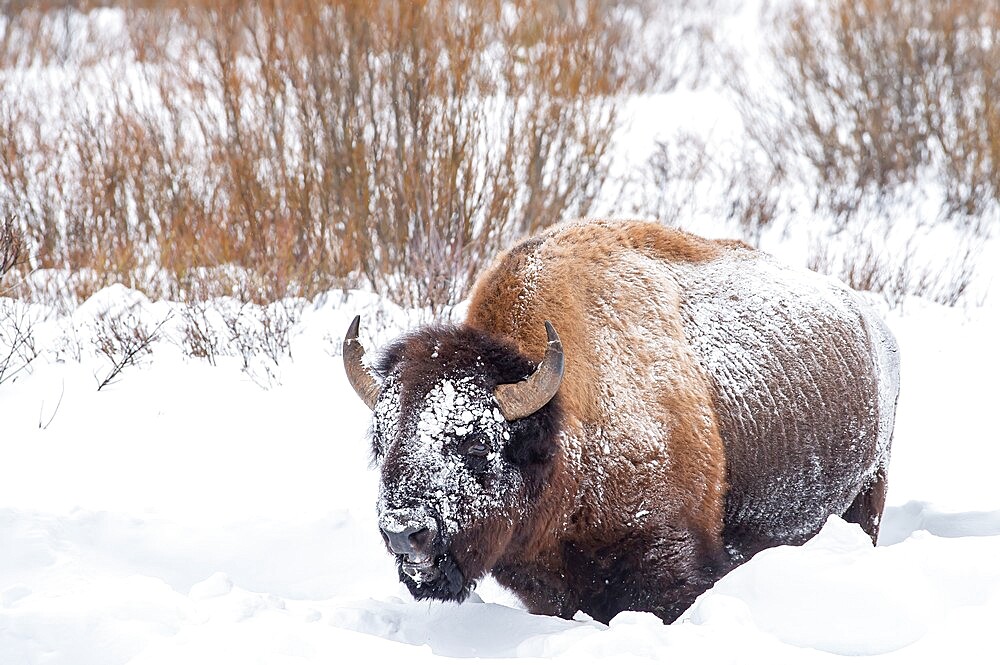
(184, 514)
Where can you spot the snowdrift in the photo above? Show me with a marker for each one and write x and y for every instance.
(186, 514)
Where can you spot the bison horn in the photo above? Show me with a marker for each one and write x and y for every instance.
(364, 382)
(518, 400)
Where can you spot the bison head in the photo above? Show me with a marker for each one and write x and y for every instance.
(464, 430)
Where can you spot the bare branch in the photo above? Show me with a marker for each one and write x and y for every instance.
(123, 339)
(12, 249)
(17, 341)
(52, 417)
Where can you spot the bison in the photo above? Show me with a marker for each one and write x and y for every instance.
(628, 412)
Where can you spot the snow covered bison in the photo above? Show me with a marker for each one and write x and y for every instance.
(628, 412)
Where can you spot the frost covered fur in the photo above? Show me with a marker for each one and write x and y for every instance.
(714, 403)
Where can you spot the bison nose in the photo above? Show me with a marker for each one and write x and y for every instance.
(412, 540)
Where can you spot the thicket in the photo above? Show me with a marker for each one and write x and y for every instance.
(285, 147)
(873, 119)
(273, 148)
(870, 97)
(17, 341)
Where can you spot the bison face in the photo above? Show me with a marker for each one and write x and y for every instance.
(449, 495)
(465, 430)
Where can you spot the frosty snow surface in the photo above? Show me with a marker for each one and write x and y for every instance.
(187, 515)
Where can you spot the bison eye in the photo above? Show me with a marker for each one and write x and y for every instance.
(475, 446)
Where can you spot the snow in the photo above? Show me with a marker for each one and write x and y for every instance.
(187, 514)
(191, 513)
(435, 473)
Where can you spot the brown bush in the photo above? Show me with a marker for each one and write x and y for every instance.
(683, 180)
(314, 143)
(870, 95)
(12, 251)
(865, 266)
(17, 341)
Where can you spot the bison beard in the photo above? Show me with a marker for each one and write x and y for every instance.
(449, 584)
(714, 403)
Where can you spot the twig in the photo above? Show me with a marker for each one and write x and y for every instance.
(123, 342)
(54, 412)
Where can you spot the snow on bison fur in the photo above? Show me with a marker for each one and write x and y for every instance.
(627, 413)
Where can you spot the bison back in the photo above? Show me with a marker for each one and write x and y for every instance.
(805, 376)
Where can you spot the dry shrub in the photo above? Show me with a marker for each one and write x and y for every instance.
(69, 344)
(17, 340)
(260, 337)
(869, 95)
(12, 250)
(199, 337)
(680, 43)
(683, 181)
(314, 143)
(18, 349)
(124, 339)
(675, 171)
(753, 196)
(866, 266)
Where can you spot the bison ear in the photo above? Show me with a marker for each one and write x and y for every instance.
(362, 379)
(521, 399)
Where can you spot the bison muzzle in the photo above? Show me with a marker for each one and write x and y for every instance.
(627, 413)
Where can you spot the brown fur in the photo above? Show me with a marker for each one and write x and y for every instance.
(654, 512)
(577, 259)
(574, 257)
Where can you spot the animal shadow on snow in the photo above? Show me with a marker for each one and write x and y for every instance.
(472, 629)
(901, 522)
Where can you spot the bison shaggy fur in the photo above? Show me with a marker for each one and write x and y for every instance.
(712, 403)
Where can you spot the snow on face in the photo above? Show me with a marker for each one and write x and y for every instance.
(430, 474)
